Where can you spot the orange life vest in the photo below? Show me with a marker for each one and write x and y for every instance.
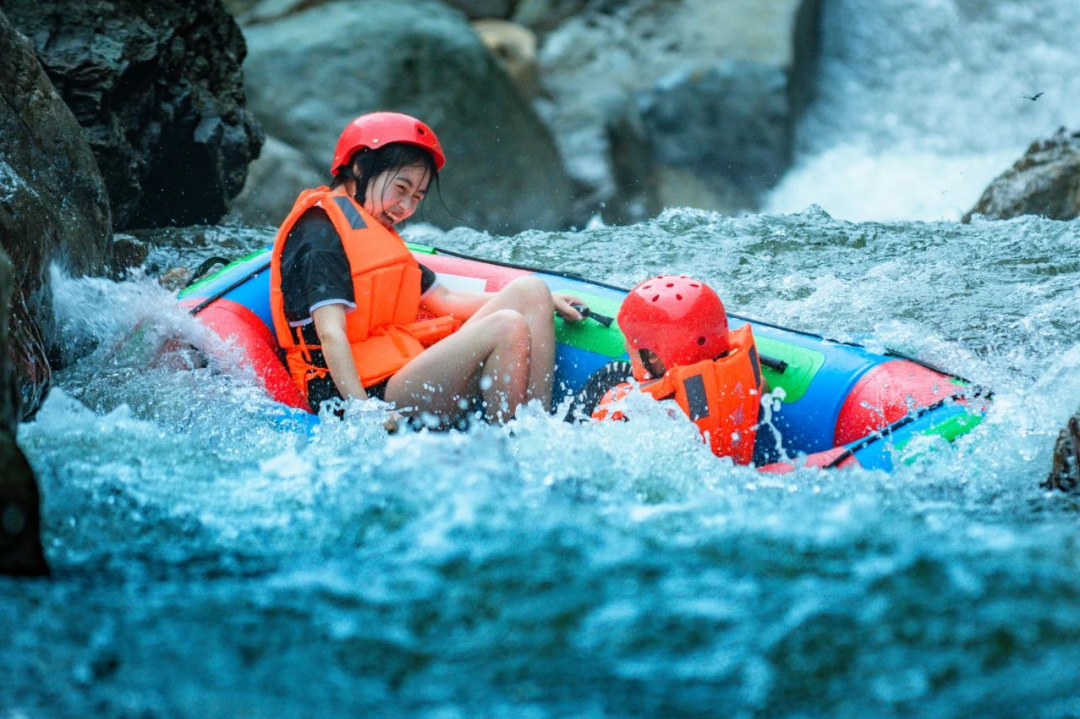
(721, 396)
(383, 330)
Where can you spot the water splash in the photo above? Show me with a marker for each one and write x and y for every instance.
(920, 103)
(546, 569)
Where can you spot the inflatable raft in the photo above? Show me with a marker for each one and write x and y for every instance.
(840, 404)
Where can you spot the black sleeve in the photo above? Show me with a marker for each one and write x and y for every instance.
(427, 281)
(314, 267)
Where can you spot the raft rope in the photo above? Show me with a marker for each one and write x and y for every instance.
(778, 365)
(228, 288)
(886, 431)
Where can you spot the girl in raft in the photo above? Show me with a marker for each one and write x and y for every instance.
(347, 296)
(676, 333)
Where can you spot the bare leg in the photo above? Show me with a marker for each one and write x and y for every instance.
(532, 299)
(487, 357)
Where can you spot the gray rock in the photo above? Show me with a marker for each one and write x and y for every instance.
(546, 15)
(482, 9)
(158, 89)
(729, 122)
(515, 47)
(274, 181)
(1065, 471)
(53, 205)
(593, 63)
(260, 11)
(634, 171)
(503, 172)
(1045, 182)
(20, 512)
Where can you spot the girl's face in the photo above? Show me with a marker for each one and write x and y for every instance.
(393, 195)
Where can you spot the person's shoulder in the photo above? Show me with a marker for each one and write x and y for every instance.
(314, 226)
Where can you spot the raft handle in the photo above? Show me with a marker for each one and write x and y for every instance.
(595, 316)
(205, 267)
(773, 363)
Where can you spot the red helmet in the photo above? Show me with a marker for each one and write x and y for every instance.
(377, 129)
(679, 319)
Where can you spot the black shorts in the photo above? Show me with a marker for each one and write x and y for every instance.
(322, 389)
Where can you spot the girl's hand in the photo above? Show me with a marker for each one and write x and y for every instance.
(564, 306)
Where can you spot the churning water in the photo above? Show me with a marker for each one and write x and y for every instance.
(921, 103)
(210, 561)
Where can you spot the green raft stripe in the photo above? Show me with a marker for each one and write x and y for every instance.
(948, 430)
(593, 336)
(802, 366)
(196, 287)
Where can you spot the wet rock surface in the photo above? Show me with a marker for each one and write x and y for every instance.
(1044, 182)
(742, 54)
(20, 518)
(53, 206)
(503, 171)
(1065, 470)
(158, 91)
(728, 124)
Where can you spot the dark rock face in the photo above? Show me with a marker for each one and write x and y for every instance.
(20, 516)
(806, 57)
(158, 90)
(729, 123)
(53, 205)
(546, 15)
(480, 9)
(503, 172)
(1065, 471)
(1045, 182)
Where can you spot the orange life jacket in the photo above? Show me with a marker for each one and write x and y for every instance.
(383, 330)
(721, 396)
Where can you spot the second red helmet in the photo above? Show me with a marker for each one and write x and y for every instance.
(377, 129)
(679, 319)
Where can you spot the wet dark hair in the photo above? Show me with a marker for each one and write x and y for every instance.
(365, 165)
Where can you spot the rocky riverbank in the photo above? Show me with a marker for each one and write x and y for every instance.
(551, 112)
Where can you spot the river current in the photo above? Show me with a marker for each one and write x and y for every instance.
(210, 561)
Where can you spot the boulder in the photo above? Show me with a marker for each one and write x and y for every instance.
(546, 15)
(636, 178)
(158, 90)
(1045, 182)
(728, 123)
(480, 9)
(503, 172)
(1065, 470)
(273, 182)
(53, 206)
(515, 47)
(253, 12)
(743, 68)
(20, 510)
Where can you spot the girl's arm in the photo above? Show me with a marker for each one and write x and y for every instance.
(330, 326)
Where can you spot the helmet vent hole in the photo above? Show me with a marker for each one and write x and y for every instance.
(655, 298)
(694, 285)
(420, 131)
(701, 340)
(678, 297)
(670, 284)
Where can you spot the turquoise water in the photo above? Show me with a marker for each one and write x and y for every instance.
(210, 562)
